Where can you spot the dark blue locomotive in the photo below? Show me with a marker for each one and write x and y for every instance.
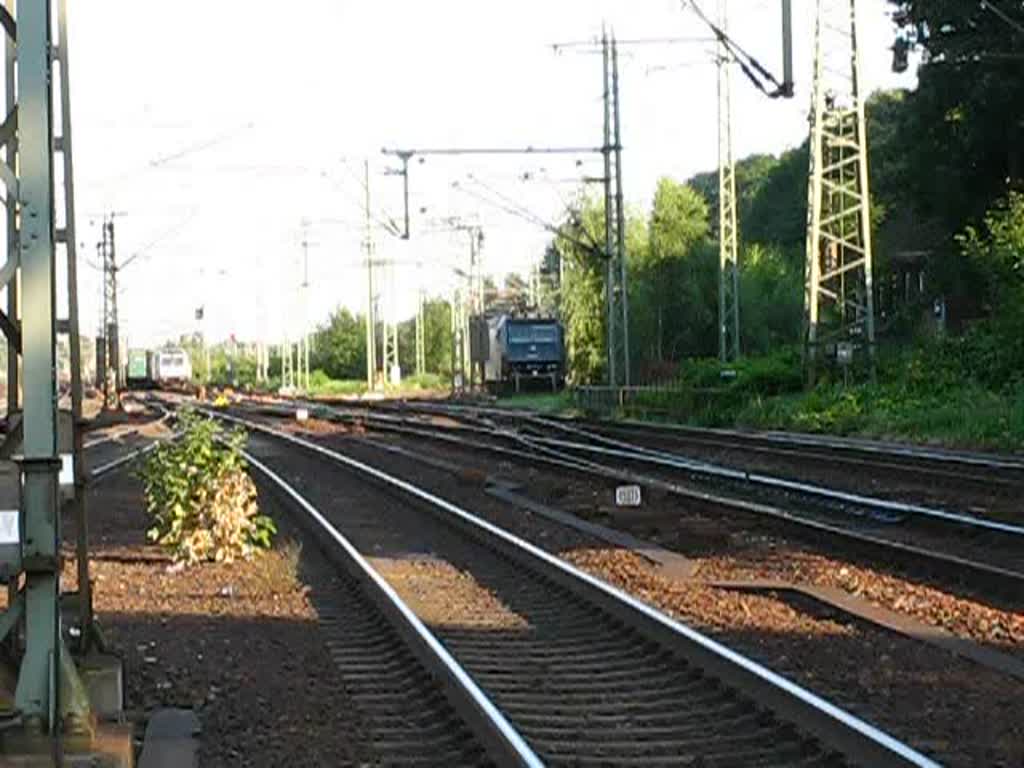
(524, 350)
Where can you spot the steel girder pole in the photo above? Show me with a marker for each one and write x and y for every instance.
(838, 291)
(609, 243)
(622, 314)
(36, 694)
(13, 309)
(421, 350)
(728, 235)
(68, 238)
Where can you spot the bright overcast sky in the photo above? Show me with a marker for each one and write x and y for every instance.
(215, 127)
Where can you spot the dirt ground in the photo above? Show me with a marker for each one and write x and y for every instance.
(237, 643)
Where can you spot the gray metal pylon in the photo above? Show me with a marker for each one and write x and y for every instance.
(11, 144)
(838, 296)
(110, 319)
(728, 233)
(67, 236)
(371, 322)
(616, 282)
(611, 324)
(421, 349)
(47, 681)
(620, 270)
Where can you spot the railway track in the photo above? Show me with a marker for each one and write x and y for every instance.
(988, 484)
(583, 673)
(983, 554)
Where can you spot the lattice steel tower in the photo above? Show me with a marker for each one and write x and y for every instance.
(839, 306)
(728, 250)
(112, 374)
(616, 295)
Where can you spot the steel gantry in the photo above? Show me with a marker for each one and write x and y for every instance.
(839, 304)
(48, 713)
(728, 234)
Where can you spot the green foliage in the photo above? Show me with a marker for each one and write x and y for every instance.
(582, 293)
(966, 118)
(674, 293)
(202, 501)
(997, 254)
(339, 346)
(322, 384)
(542, 402)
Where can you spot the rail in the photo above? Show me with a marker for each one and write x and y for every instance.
(860, 741)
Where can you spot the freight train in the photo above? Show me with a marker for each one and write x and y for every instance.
(522, 351)
(158, 368)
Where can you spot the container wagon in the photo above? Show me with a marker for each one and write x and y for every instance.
(140, 373)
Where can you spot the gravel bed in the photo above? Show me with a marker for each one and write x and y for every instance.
(961, 713)
(238, 643)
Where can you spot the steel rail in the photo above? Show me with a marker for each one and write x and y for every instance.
(503, 743)
(975, 572)
(103, 470)
(883, 450)
(648, 456)
(862, 742)
(979, 574)
(640, 454)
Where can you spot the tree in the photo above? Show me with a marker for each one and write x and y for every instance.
(967, 116)
(437, 339)
(672, 299)
(339, 346)
(582, 294)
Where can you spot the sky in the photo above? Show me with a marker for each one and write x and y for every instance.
(225, 133)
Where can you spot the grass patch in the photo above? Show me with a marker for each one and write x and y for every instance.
(320, 384)
(961, 392)
(543, 402)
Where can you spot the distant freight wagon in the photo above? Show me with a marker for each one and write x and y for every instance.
(522, 350)
(139, 367)
(163, 367)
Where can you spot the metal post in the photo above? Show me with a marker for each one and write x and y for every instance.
(74, 340)
(113, 362)
(421, 349)
(371, 324)
(13, 309)
(405, 192)
(38, 679)
(609, 279)
(620, 213)
(106, 312)
(728, 248)
(787, 48)
(838, 295)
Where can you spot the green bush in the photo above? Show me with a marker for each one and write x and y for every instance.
(202, 501)
(425, 381)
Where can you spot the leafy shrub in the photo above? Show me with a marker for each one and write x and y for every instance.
(202, 500)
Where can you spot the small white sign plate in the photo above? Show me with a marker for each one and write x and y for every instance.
(67, 470)
(301, 414)
(9, 526)
(628, 496)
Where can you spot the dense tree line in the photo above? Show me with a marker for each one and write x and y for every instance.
(945, 161)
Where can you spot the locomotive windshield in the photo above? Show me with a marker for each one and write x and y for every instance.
(533, 333)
